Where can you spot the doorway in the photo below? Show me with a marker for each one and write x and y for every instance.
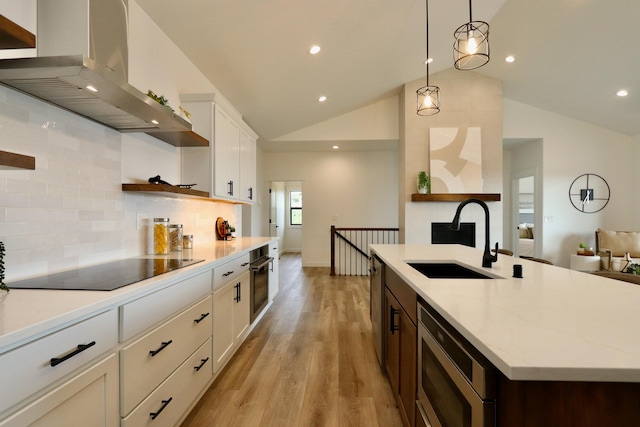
(285, 214)
(526, 233)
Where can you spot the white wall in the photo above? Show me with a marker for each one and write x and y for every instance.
(571, 148)
(468, 99)
(346, 189)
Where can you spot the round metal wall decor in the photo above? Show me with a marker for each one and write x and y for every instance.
(589, 193)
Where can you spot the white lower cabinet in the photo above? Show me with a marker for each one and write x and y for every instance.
(89, 399)
(168, 402)
(149, 360)
(37, 365)
(231, 318)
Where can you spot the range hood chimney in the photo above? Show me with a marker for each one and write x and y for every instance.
(82, 66)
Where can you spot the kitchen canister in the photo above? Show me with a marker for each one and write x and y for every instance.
(187, 241)
(175, 237)
(161, 236)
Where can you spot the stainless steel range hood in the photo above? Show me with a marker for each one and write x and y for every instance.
(80, 84)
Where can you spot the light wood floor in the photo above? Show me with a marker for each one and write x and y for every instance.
(310, 361)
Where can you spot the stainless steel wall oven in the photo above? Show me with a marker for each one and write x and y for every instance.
(259, 295)
(456, 384)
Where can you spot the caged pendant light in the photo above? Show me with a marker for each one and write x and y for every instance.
(428, 96)
(471, 48)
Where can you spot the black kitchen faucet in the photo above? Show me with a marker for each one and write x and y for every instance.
(487, 258)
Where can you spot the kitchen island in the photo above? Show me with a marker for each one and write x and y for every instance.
(564, 343)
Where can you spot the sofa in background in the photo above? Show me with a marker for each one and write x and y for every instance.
(617, 249)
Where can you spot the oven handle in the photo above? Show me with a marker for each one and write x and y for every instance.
(258, 267)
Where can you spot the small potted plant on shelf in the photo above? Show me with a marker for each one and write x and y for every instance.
(424, 183)
(3, 286)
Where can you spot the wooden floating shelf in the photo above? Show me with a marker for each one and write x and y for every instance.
(16, 161)
(13, 36)
(174, 191)
(455, 197)
(181, 138)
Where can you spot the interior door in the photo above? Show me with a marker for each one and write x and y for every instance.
(277, 209)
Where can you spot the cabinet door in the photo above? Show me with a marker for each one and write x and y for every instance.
(242, 307)
(223, 305)
(274, 271)
(226, 157)
(392, 331)
(407, 369)
(247, 167)
(89, 399)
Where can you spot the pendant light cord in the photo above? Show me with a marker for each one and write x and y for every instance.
(426, 8)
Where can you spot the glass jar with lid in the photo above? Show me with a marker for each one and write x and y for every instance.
(175, 237)
(161, 236)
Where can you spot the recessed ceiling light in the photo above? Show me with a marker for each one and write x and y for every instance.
(428, 61)
(509, 59)
(91, 88)
(322, 98)
(314, 49)
(155, 122)
(622, 92)
(335, 147)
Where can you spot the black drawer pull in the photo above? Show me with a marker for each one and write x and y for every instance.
(162, 347)
(244, 264)
(392, 321)
(164, 405)
(202, 316)
(81, 347)
(203, 361)
(228, 273)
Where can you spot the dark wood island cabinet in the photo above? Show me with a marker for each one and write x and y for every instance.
(401, 343)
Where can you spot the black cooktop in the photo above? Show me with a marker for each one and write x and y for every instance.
(105, 277)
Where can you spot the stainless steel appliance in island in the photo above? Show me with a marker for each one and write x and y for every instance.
(456, 384)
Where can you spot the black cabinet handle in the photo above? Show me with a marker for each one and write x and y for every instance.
(202, 316)
(230, 184)
(228, 273)
(81, 347)
(250, 193)
(203, 361)
(244, 264)
(392, 321)
(164, 405)
(162, 347)
(237, 297)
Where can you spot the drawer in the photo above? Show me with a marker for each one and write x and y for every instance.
(174, 396)
(90, 396)
(139, 315)
(28, 369)
(230, 270)
(148, 361)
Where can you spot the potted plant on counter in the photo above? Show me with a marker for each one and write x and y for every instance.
(424, 183)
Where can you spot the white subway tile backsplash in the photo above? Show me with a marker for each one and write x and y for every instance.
(71, 212)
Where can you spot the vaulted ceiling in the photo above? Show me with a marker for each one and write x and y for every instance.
(572, 56)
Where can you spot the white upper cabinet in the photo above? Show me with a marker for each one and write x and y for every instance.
(247, 187)
(227, 168)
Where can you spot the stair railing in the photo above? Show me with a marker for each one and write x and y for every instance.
(350, 248)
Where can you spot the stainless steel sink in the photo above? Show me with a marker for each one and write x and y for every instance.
(448, 270)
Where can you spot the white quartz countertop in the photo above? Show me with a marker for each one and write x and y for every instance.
(26, 314)
(553, 324)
